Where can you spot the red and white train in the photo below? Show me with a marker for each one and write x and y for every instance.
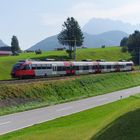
(30, 68)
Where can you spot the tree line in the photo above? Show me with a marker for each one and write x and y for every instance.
(132, 45)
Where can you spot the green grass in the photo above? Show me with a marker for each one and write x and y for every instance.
(109, 54)
(14, 98)
(114, 121)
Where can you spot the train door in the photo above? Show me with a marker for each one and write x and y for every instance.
(117, 68)
(49, 70)
(54, 70)
(98, 68)
(72, 69)
(69, 69)
(80, 69)
(38, 71)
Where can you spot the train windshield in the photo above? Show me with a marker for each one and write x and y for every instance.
(17, 66)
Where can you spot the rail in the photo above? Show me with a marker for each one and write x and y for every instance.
(16, 81)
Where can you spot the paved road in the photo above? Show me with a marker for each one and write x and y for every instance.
(21, 120)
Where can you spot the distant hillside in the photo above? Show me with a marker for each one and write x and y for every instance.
(111, 38)
(2, 43)
(49, 43)
(98, 26)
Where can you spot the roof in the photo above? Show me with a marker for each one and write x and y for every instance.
(5, 48)
(5, 52)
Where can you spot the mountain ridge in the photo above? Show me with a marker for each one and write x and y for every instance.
(111, 38)
(100, 25)
(2, 44)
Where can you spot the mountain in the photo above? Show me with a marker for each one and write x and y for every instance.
(49, 43)
(98, 26)
(2, 43)
(111, 38)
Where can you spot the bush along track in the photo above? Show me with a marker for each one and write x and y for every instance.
(14, 98)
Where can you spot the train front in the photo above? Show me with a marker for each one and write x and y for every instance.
(17, 67)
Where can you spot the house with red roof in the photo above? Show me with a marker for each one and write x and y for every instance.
(5, 51)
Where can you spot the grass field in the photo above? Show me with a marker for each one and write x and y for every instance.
(109, 54)
(114, 121)
(14, 98)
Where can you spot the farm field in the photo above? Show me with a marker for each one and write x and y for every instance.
(109, 54)
(114, 121)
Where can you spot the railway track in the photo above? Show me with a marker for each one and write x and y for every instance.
(16, 81)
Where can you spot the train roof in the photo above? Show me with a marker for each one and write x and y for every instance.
(73, 62)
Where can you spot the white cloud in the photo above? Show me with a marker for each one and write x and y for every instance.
(51, 19)
(84, 11)
(87, 10)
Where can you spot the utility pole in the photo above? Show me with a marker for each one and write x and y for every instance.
(75, 49)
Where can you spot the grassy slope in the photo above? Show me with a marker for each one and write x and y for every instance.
(48, 93)
(109, 122)
(110, 54)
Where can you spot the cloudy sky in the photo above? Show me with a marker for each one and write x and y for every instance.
(34, 20)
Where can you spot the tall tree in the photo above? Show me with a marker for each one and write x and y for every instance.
(133, 45)
(124, 42)
(71, 35)
(15, 45)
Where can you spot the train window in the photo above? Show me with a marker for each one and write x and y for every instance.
(17, 66)
(122, 66)
(115, 66)
(26, 67)
(58, 68)
(90, 67)
(129, 65)
(68, 68)
(108, 66)
(33, 66)
(93, 67)
(38, 67)
(76, 67)
(49, 66)
(102, 67)
(61, 68)
(44, 66)
(97, 66)
(85, 67)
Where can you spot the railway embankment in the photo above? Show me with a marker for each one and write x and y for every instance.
(21, 97)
